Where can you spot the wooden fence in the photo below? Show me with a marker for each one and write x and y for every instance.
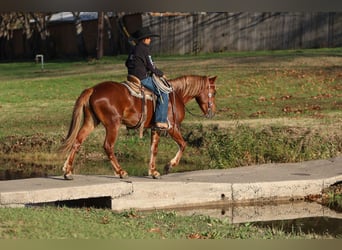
(215, 32)
(195, 33)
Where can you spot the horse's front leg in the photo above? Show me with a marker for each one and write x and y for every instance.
(111, 135)
(155, 136)
(178, 138)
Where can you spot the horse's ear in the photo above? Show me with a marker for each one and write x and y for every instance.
(212, 78)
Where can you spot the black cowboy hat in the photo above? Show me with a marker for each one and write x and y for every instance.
(142, 33)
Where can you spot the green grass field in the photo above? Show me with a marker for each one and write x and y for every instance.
(277, 106)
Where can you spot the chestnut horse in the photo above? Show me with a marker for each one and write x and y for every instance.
(111, 104)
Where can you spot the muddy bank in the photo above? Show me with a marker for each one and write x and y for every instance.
(330, 197)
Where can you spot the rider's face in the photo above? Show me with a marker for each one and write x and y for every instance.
(147, 40)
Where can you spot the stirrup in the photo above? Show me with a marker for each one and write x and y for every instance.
(156, 127)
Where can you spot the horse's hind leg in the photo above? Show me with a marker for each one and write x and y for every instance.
(86, 129)
(155, 137)
(111, 135)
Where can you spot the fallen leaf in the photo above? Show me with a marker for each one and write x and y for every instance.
(262, 98)
(195, 236)
(258, 113)
(154, 230)
(286, 97)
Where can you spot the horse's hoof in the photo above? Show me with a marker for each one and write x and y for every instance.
(154, 174)
(167, 169)
(156, 177)
(123, 175)
(68, 177)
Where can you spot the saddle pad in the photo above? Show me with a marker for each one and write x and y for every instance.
(135, 90)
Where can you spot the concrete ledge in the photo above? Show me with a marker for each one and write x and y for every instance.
(268, 182)
(158, 195)
(43, 190)
(274, 190)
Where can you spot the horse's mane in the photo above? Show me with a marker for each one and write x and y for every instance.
(189, 85)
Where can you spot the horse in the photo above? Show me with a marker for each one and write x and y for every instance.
(112, 104)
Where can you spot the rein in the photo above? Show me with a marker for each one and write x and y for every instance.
(162, 84)
(195, 115)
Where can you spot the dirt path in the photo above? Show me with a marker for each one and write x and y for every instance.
(315, 124)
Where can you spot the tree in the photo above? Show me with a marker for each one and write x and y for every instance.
(100, 26)
(79, 35)
(28, 33)
(109, 29)
(8, 22)
(43, 41)
(36, 34)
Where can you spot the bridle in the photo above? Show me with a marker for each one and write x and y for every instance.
(209, 113)
(210, 99)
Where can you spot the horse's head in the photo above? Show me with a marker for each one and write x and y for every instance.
(206, 100)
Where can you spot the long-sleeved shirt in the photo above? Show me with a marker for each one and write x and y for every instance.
(139, 62)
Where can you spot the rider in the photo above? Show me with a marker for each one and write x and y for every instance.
(139, 63)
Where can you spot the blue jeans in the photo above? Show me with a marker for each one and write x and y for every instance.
(162, 100)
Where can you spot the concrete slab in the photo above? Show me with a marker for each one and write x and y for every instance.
(245, 184)
(43, 190)
(268, 182)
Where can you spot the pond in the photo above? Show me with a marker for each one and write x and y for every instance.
(14, 174)
(297, 216)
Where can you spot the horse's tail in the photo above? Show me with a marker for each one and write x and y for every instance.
(76, 120)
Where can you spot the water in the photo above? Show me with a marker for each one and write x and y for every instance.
(14, 174)
(309, 218)
(12, 170)
(297, 216)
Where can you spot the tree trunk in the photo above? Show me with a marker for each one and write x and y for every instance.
(43, 44)
(112, 45)
(79, 36)
(28, 43)
(100, 35)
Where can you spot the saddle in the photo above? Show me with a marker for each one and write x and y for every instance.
(134, 86)
(136, 89)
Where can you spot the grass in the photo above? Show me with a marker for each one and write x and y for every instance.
(272, 106)
(90, 223)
